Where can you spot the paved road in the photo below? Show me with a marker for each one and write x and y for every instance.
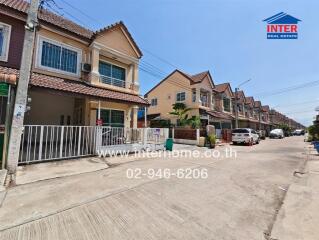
(238, 200)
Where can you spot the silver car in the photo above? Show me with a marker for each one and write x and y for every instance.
(277, 133)
(245, 135)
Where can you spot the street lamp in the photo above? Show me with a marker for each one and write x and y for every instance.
(236, 101)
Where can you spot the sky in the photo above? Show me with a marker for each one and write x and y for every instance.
(226, 37)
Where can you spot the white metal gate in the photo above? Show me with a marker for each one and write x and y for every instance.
(53, 142)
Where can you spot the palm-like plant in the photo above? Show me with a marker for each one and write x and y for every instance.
(181, 111)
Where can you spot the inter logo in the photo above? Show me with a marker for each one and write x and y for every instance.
(282, 26)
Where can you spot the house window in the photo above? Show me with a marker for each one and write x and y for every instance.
(111, 74)
(112, 118)
(59, 57)
(180, 97)
(154, 102)
(5, 32)
(226, 104)
(194, 95)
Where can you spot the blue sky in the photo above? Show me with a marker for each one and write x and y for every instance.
(226, 37)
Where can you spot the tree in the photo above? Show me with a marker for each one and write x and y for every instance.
(181, 111)
(195, 122)
(314, 131)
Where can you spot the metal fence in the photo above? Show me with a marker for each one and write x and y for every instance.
(52, 142)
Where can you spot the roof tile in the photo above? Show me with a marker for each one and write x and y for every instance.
(78, 87)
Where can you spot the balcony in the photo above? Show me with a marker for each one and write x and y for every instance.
(112, 81)
(205, 104)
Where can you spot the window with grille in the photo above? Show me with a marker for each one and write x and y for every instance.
(154, 102)
(226, 104)
(181, 96)
(111, 74)
(59, 57)
(5, 32)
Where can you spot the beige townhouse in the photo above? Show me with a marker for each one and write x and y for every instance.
(195, 91)
(212, 103)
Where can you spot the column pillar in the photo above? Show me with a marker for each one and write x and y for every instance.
(95, 58)
(134, 116)
(135, 79)
(198, 96)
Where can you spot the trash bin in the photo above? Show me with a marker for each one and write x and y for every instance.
(169, 144)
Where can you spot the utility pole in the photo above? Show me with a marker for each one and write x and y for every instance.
(22, 89)
(236, 107)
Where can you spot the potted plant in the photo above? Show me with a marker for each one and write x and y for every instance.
(211, 140)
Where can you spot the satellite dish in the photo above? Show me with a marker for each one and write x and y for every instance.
(317, 109)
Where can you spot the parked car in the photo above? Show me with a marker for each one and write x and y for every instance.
(277, 133)
(298, 132)
(245, 135)
(262, 134)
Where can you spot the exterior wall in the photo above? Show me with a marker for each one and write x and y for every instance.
(166, 95)
(116, 40)
(16, 41)
(47, 108)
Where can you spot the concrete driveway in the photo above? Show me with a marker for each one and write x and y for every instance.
(238, 200)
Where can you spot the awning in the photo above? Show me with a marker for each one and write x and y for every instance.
(220, 115)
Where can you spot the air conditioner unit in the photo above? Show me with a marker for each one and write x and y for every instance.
(86, 67)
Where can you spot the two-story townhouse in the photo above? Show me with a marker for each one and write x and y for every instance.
(243, 109)
(195, 91)
(257, 113)
(250, 112)
(78, 76)
(265, 119)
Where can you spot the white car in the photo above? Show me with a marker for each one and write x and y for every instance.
(277, 133)
(245, 135)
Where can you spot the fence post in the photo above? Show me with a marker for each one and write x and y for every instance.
(61, 141)
(166, 133)
(79, 140)
(197, 136)
(98, 136)
(145, 136)
(41, 142)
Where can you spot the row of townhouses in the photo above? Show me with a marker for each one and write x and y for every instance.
(83, 78)
(213, 103)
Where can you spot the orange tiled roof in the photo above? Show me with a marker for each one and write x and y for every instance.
(61, 22)
(77, 87)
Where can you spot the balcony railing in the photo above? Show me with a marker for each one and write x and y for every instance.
(112, 81)
(205, 104)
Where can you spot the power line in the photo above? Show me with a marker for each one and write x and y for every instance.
(161, 59)
(295, 104)
(48, 5)
(82, 12)
(284, 90)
